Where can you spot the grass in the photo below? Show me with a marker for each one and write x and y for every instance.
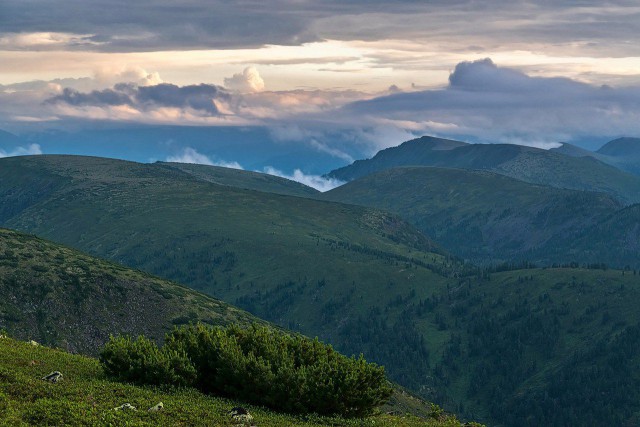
(86, 398)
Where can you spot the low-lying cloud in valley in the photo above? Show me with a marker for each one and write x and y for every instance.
(29, 150)
(190, 155)
(315, 181)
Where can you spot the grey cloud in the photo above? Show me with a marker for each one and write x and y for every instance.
(119, 25)
(198, 97)
(107, 97)
(495, 104)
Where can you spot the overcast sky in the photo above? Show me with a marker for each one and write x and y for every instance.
(525, 72)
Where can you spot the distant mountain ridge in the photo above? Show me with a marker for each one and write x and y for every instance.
(527, 164)
(479, 215)
(243, 179)
(623, 153)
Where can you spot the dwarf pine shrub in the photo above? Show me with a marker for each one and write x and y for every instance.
(260, 365)
(140, 361)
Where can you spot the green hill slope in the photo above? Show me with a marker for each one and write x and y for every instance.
(85, 397)
(519, 347)
(305, 264)
(524, 163)
(542, 347)
(244, 179)
(620, 230)
(58, 296)
(481, 215)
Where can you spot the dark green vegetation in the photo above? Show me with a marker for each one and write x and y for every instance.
(486, 217)
(524, 163)
(86, 397)
(58, 296)
(490, 343)
(244, 179)
(259, 365)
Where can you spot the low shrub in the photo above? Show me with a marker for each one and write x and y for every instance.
(290, 373)
(140, 361)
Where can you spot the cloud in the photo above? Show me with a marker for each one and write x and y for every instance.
(45, 41)
(247, 81)
(315, 181)
(30, 150)
(496, 104)
(127, 74)
(190, 155)
(201, 97)
(144, 25)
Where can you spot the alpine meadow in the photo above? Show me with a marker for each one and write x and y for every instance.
(319, 213)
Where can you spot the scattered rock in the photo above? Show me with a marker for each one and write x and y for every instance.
(240, 415)
(156, 408)
(53, 377)
(125, 407)
(2, 336)
(34, 343)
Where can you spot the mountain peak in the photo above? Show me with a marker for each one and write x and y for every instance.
(625, 146)
(435, 143)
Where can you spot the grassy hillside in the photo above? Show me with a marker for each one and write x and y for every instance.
(481, 216)
(244, 179)
(264, 251)
(85, 397)
(513, 347)
(58, 296)
(524, 163)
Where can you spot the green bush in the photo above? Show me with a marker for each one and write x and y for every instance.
(285, 372)
(141, 361)
(259, 365)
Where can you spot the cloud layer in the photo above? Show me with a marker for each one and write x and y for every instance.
(482, 102)
(495, 104)
(196, 97)
(116, 25)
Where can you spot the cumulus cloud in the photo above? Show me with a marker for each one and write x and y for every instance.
(30, 150)
(315, 181)
(127, 74)
(496, 104)
(247, 81)
(190, 155)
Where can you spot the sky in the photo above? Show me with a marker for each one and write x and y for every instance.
(376, 72)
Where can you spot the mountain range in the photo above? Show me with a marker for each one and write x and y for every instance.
(528, 164)
(496, 343)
